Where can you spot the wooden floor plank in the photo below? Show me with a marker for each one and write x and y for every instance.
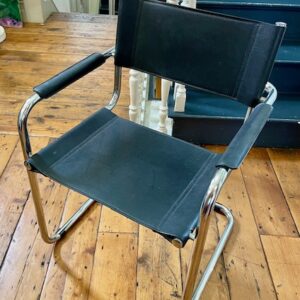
(158, 269)
(42, 63)
(114, 222)
(81, 17)
(7, 146)
(246, 266)
(79, 264)
(23, 57)
(15, 81)
(72, 259)
(70, 97)
(37, 262)
(31, 67)
(44, 44)
(38, 126)
(114, 272)
(43, 125)
(14, 187)
(28, 256)
(54, 284)
(270, 209)
(286, 163)
(45, 60)
(74, 29)
(283, 255)
(18, 252)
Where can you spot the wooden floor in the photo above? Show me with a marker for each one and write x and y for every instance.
(107, 256)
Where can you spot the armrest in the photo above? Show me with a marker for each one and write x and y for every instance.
(70, 75)
(245, 138)
(57, 83)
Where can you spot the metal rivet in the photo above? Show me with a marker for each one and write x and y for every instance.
(280, 24)
(177, 243)
(27, 165)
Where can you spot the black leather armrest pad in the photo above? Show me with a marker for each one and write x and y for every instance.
(245, 138)
(70, 75)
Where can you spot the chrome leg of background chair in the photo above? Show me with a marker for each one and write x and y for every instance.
(205, 213)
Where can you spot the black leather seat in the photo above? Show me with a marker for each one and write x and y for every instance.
(161, 182)
(149, 177)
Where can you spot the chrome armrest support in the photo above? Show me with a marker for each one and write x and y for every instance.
(35, 99)
(109, 52)
(117, 88)
(26, 147)
(22, 124)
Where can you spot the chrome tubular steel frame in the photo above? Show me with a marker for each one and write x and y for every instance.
(219, 208)
(27, 152)
(191, 290)
(209, 204)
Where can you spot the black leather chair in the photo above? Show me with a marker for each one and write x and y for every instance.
(158, 181)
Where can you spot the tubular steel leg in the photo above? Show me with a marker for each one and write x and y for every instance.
(41, 217)
(26, 147)
(204, 216)
(219, 208)
(189, 292)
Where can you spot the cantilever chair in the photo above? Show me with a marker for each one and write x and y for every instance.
(163, 183)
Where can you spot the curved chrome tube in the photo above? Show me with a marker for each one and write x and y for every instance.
(117, 88)
(35, 98)
(218, 251)
(271, 96)
(26, 147)
(37, 200)
(205, 212)
(109, 52)
(27, 152)
(22, 123)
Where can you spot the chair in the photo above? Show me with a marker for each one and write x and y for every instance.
(163, 183)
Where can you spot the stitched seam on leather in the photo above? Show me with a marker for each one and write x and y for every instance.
(241, 68)
(119, 30)
(137, 30)
(69, 153)
(246, 61)
(184, 194)
(271, 57)
(217, 16)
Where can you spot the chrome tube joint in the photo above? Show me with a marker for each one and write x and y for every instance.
(270, 94)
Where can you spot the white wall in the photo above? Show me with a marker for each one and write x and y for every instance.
(36, 11)
(62, 5)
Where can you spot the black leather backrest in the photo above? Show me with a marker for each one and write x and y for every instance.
(214, 52)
